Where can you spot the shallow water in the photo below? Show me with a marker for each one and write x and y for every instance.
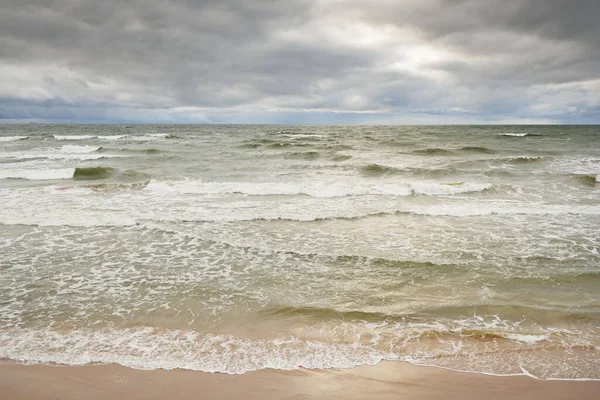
(235, 248)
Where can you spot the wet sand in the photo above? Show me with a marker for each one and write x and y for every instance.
(388, 380)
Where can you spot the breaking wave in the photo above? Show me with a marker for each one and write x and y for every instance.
(12, 138)
(37, 174)
(511, 134)
(316, 189)
(79, 149)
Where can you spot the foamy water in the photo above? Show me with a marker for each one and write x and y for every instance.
(237, 248)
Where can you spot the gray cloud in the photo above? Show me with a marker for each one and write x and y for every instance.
(300, 60)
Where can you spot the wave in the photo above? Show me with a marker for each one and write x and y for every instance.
(146, 137)
(340, 158)
(328, 189)
(588, 180)
(433, 152)
(149, 137)
(74, 137)
(273, 144)
(511, 134)
(100, 172)
(78, 173)
(506, 312)
(519, 134)
(17, 157)
(150, 150)
(75, 149)
(12, 138)
(281, 145)
(460, 344)
(149, 348)
(308, 156)
(33, 174)
(90, 173)
(524, 159)
(377, 170)
(114, 186)
(66, 152)
(250, 145)
(476, 149)
(111, 137)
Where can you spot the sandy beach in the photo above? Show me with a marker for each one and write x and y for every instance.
(388, 380)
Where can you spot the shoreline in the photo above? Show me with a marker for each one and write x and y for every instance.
(386, 380)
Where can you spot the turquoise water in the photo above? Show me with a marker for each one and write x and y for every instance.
(236, 248)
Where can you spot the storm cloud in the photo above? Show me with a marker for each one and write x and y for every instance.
(295, 61)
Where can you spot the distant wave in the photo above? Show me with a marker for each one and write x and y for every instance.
(434, 151)
(149, 150)
(340, 157)
(520, 134)
(145, 137)
(514, 134)
(476, 149)
(273, 144)
(319, 190)
(12, 138)
(151, 137)
(66, 152)
(73, 137)
(524, 159)
(280, 145)
(111, 137)
(308, 155)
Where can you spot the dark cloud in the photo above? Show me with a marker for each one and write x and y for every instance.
(375, 61)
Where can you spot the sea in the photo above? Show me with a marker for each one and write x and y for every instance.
(234, 248)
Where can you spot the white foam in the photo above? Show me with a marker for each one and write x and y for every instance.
(525, 338)
(514, 134)
(73, 137)
(148, 348)
(149, 137)
(111, 137)
(314, 189)
(12, 138)
(57, 155)
(78, 149)
(33, 174)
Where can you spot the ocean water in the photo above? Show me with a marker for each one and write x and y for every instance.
(237, 248)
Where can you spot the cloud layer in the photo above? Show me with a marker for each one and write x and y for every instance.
(294, 61)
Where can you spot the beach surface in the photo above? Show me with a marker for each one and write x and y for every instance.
(387, 380)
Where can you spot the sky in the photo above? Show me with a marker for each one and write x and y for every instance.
(301, 61)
